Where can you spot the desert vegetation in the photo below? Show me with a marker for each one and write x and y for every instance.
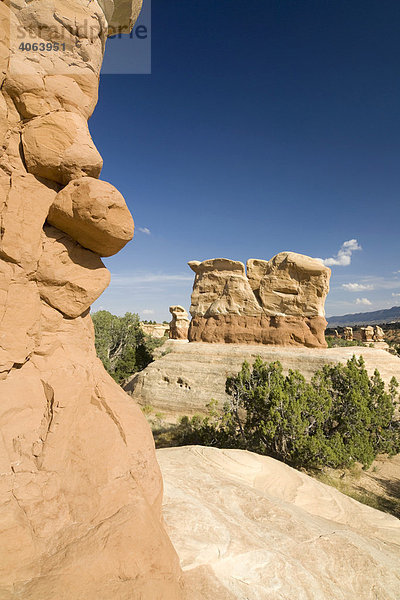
(334, 342)
(121, 344)
(339, 418)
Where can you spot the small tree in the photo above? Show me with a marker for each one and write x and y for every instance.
(121, 344)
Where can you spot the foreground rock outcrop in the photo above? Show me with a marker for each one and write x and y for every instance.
(248, 526)
(279, 302)
(186, 377)
(80, 488)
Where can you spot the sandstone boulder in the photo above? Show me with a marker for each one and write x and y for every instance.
(58, 146)
(179, 326)
(94, 214)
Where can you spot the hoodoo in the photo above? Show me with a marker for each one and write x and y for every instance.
(279, 302)
(80, 488)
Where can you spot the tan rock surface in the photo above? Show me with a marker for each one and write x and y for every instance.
(348, 334)
(179, 326)
(19, 316)
(248, 526)
(69, 277)
(124, 15)
(279, 302)
(94, 214)
(293, 284)
(157, 330)
(367, 334)
(58, 146)
(20, 226)
(261, 329)
(80, 488)
(221, 287)
(379, 334)
(186, 377)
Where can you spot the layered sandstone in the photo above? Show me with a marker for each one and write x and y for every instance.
(80, 488)
(279, 302)
(179, 325)
(186, 377)
(248, 526)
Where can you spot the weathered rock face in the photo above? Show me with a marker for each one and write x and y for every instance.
(185, 377)
(58, 146)
(278, 302)
(80, 488)
(157, 330)
(179, 326)
(94, 213)
(248, 526)
(348, 334)
(379, 334)
(367, 334)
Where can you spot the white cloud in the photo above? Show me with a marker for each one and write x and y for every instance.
(395, 295)
(343, 257)
(357, 287)
(144, 230)
(381, 283)
(147, 311)
(363, 301)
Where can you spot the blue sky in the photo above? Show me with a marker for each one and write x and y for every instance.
(264, 126)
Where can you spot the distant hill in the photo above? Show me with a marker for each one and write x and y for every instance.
(375, 317)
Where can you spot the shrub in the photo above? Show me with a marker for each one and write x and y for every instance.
(340, 417)
(334, 342)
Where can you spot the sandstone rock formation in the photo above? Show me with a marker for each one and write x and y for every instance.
(80, 488)
(179, 326)
(185, 377)
(279, 302)
(157, 330)
(367, 334)
(379, 334)
(94, 213)
(348, 334)
(248, 526)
